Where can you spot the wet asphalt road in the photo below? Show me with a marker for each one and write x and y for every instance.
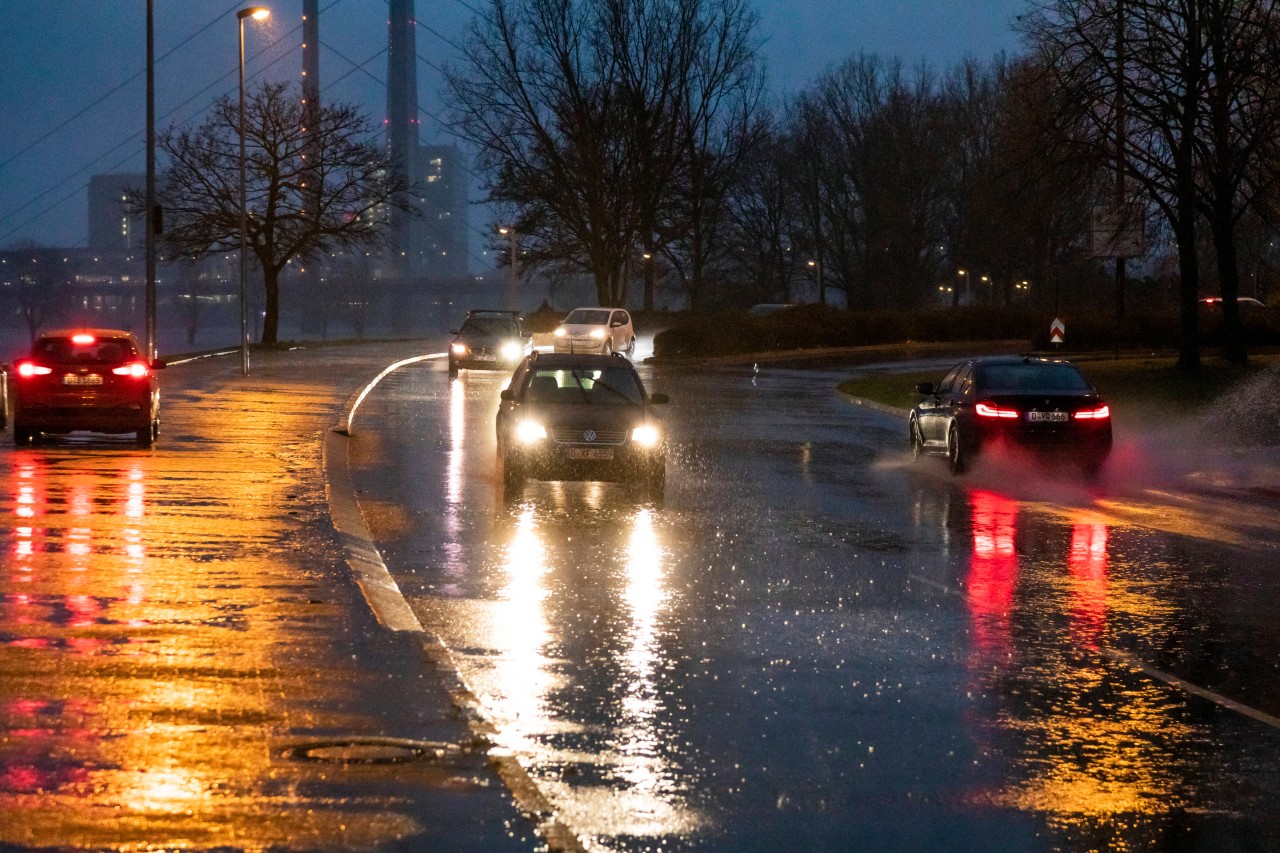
(812, 645)
(185, 662)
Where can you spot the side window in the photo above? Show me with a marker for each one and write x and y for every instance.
(622, 317)
(964, 383)
(948, 382)
(517, 379)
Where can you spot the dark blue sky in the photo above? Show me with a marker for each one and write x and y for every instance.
(72, 99)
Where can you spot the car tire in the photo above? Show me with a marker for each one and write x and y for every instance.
(631, 348)
(915, 441)
(22, 434)
(147, 436)
(608, 348)
(513, 476)
(956, 458)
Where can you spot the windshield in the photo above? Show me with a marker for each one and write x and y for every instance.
(1033, 377)
(611, 386)
(495, 326)
(587, 317)
(89, 351)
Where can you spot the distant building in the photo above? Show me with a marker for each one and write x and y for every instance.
(439, 235)
(111, 227)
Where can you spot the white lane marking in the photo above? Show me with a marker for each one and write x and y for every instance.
(1150, 671)
(344, 426)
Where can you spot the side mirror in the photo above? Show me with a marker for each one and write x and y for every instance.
(925, 388)
(659, 399)
(453, 331)
(158, 364)
(507, 395)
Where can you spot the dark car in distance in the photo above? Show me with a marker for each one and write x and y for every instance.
(580, 417)
(95, 380)
(489, 340)
(1042, 405)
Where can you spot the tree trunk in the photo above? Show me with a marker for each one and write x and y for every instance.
(271, 308)
(1224, 242)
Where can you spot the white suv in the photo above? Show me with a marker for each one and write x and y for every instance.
(596, 330)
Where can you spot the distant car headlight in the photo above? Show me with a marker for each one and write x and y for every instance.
(512, 350)
(459, 349)
(646, 435)
(598, 334)
(561, 331)
(530, 432)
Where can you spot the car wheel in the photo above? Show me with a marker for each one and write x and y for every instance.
(916, 448)
(22, 434)
(512, 472)
(631, 348)
(955, 451)
(608, 348)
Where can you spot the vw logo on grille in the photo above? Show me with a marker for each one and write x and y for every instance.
(589, 435)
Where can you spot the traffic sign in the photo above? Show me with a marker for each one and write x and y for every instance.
(1057, 331)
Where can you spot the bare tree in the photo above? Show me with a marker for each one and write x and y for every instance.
(339, 196)
(585, 114)
(40, 286)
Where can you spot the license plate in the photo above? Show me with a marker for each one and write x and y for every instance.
(484, 356)
(596, 453)
(1049, 417)
(81, 379)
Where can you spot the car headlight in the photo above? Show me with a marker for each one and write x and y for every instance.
(459, 349)
(512, 350)
(646, 435)
(530, 432)
(598, 334)
(561, 331)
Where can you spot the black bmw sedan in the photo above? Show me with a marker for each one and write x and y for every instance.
(1042, 405)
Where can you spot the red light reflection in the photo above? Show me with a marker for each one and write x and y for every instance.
(993, 572)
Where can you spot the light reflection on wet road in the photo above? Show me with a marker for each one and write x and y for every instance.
(813, 646)
(173, 620)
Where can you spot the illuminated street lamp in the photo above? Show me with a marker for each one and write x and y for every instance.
(816, 266)
(258, 13)
(510, 233)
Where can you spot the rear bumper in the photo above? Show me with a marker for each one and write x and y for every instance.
(127, 416)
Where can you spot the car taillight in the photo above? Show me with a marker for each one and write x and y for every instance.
(26, 370)
(136, 369)
(1095, 414)
(991, 410)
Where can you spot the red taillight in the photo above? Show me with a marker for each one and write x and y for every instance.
(26, 370)
(137, 369)
(991, 410)
(1095, 414)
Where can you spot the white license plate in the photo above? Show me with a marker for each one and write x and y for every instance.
(78, 379)
(1049, 417)
(484, 356)
(596, 453)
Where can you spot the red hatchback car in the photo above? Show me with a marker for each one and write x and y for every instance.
(97, 380)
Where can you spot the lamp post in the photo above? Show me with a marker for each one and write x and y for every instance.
(150, 190)
(822, 291)
(258, 13)
(510, 233)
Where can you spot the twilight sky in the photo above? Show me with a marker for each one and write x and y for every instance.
(72, 102)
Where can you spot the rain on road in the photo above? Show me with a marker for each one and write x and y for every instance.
(813, 645)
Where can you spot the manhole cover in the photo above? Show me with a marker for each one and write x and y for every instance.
(369, 751)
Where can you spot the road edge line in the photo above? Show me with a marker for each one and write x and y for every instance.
(392, 610)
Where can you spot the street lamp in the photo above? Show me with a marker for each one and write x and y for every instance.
(258, 13)
(816, 266)
(510, 233)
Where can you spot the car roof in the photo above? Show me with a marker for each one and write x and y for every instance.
(568, 361)
(97, 333)
(989, 360)
(496, 312)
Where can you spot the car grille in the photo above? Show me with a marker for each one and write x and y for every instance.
(577, 436)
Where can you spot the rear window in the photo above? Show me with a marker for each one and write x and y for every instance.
(1033, 377)
(84, 350)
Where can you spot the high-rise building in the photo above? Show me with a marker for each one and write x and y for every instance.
(111, 225)
(441, 231)
(402, 121)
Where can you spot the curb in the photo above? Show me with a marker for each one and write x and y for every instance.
(393, 611)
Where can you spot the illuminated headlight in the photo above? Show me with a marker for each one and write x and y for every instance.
(561, 331)
(459, 349)
(598, 334)
(530, 432)
(512, 350)
(646, 435)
